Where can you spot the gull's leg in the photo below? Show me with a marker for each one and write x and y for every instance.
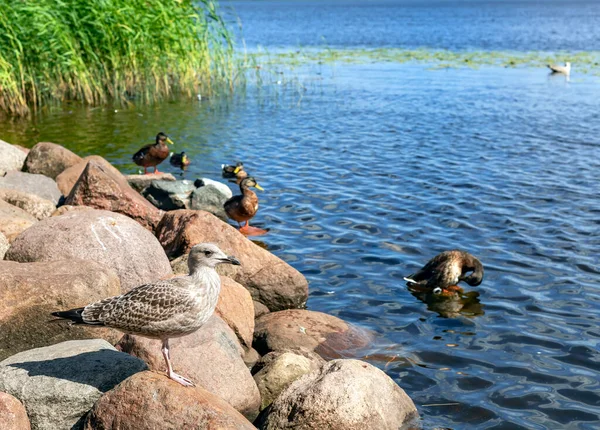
(172, 375)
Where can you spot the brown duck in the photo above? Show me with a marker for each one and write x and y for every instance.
(153, 155)
(447, 269)
(243, 207)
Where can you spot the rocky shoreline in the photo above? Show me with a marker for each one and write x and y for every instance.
(74, 230)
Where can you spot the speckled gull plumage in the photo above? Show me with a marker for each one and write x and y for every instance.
(163, 309)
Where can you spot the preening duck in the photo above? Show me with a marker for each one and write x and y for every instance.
(447, 269)
(153, 155)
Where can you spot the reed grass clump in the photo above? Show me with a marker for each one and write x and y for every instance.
(95, 51)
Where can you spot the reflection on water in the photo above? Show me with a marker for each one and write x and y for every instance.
(451, 304)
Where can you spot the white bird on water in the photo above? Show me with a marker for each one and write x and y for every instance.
(163, 309)
(565, 70)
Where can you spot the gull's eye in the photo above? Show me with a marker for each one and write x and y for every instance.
(208, 253)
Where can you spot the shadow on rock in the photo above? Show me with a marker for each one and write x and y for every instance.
(88, 368)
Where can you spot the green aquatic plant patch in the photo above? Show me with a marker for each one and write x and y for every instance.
(95, 51)
(583, 62)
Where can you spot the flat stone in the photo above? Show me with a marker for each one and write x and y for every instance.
(169, 195)
(59, 384)
(141, 182)
(106, 237)
(34, 205)
(101, 188)
(13, 415)
(211, 357)
(61, 210)
(11, 158)
(149, 400)
(269, 279)
(30, 292)
(49, 159)
(341, 395)
(31, 183)
(294, 329)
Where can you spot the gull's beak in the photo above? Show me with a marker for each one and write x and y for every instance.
(258, 187)
(237, 169)
(231, 260)
(169, 141)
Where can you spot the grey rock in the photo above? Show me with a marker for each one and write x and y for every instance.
(107, 237)
(223, 188)
(141, 182)
(11, 158)
(32, 183)
(210, 197)
(341, 395)
(276, 376)
(169, 195)
(59, 384)
(34, 205)
(4, 245)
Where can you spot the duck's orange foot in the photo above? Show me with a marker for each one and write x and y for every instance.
(454, 289)
(252, 231)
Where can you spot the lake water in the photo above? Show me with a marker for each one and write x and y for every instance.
(371, 169)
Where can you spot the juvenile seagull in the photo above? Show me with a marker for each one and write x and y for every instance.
(163, 309)
(447, 269)
(565, 70)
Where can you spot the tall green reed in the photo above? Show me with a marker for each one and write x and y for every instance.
(95, 51)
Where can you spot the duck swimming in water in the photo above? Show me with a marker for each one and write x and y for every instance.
(447, 269)
(180, 160)
(243, 207)
(153, 155)
(232, 171)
